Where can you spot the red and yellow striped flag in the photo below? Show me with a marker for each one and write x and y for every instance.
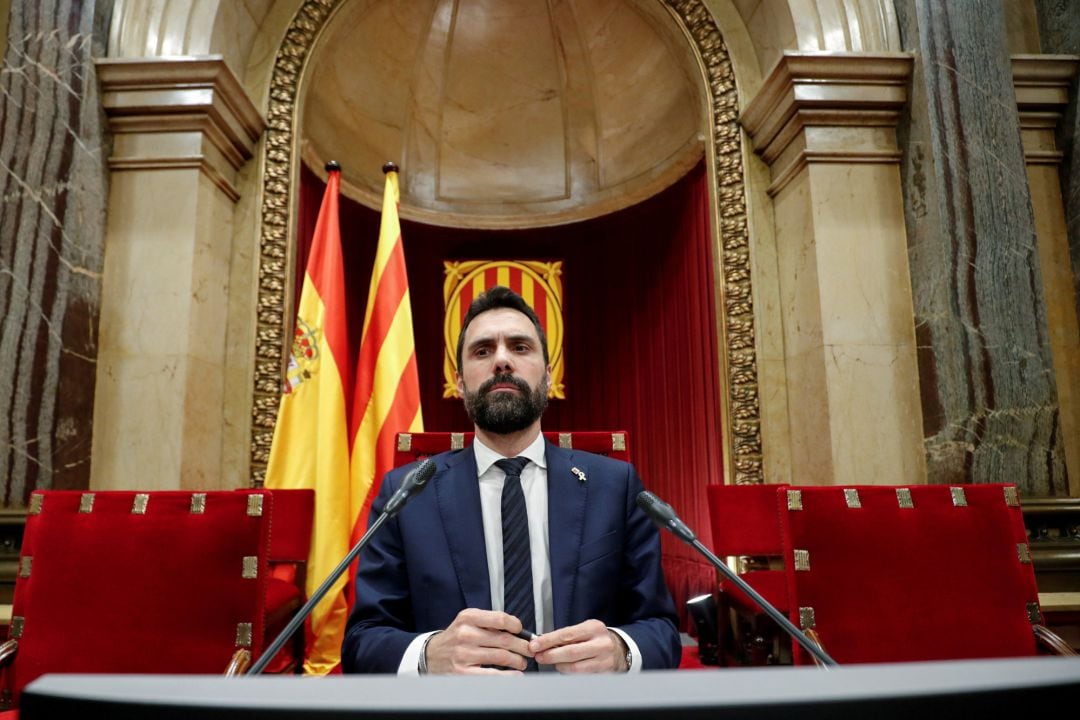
(387, 399)
(310, 448)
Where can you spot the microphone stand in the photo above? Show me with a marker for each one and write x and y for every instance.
(412, 484)
(664, 516)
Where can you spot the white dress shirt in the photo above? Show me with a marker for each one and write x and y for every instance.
(535, 487)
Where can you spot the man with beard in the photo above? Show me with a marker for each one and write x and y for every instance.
(520, 554)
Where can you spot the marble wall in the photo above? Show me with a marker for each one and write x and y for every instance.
(990, 402)
(52, 219)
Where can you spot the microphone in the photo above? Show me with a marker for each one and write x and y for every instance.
(666, 517)
(414, 482)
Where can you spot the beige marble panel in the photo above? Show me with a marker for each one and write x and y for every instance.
(138, 422)
(1060, 296)
(811, 422)
(875, 416)
(509, 145)
(800, 291)
(772, 28)
(1021, 26)
(862, 268)
(627, 88)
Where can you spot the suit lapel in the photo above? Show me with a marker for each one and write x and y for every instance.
(458, 494)
(566, 519)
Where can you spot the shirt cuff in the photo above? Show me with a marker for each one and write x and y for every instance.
(410, 661)
(635, 653)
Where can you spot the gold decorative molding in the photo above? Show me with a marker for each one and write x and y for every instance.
(742, 431)
(813, 90)
(196, 109)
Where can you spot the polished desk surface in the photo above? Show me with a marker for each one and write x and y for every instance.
(887, 688)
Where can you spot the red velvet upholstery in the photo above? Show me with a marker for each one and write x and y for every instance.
(290, 543)
(139, 582)
(939, 580)
(413, 446)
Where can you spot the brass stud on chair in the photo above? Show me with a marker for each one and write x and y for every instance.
(457, 441)
(794, 499)
(618, 442)
(806, 618)
(17, 624)
(1012, 498)
(802, 560)
(86, 503)
(903, 498)
(25, 564)
(1024, 553)
(851, 497)
(243, 635)
(959, 499)
(404, 442)
(255, 506)
(251, 567)
(138, 505)
(1034, 616)
(565, 441)
(36, 501)
(198, 503)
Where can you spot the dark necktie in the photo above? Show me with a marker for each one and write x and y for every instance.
(517, 558)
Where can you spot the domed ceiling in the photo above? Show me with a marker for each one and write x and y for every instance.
(504, 113)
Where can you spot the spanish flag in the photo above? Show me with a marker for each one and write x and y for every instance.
(387, 399)
(311, 441)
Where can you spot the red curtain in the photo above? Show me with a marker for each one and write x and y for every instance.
(640, 338)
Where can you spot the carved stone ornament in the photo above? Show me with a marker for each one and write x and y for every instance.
(742, 426)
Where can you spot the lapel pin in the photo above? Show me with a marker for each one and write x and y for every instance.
(579, 473)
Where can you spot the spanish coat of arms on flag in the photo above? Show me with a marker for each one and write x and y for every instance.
(538, 282)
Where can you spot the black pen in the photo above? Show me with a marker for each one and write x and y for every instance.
(525, 635)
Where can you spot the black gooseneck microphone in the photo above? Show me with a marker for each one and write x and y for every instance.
(665, 516)
(413, 483)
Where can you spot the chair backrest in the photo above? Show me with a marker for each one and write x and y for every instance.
(161, 582)
(910, 573)
(413, 446)
(745, 522)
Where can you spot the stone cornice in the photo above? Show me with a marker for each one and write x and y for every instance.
(826, 90)
(1042, 81)
(176, 96)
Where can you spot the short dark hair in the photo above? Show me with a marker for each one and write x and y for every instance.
(495, 297)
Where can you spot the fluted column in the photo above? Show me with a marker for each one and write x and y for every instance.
(1042, 85)
(825, 124)
(182, 129)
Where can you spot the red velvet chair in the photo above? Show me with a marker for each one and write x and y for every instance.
(158, 582)
(888, 574)
(413, 446)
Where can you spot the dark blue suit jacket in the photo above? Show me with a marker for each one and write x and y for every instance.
(429, 563)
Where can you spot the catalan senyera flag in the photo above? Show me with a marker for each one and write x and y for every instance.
(311, 440)
(387, 398)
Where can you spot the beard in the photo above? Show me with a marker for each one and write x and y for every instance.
(503, 413)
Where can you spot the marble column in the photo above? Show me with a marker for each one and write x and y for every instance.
(182, 129)
(53, 186)
(825, 124)
(990, 402)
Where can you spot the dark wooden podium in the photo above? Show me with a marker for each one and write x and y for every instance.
(925, 690)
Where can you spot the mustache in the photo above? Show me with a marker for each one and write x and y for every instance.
(505, 379)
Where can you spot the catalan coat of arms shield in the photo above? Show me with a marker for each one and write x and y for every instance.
(538, 282)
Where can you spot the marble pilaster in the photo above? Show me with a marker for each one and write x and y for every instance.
(1042, 85)
(825, 125)
(183, 128)
(53, 187)
(990, 401)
